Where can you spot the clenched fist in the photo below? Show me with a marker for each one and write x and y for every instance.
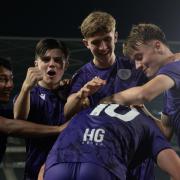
(33, 76)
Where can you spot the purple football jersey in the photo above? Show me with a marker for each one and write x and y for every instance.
(46, 107)
(112, 136)
(120, 76)
(172, 96)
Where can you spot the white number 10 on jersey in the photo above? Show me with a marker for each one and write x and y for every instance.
(110, 111)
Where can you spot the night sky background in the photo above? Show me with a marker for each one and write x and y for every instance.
(62, 18)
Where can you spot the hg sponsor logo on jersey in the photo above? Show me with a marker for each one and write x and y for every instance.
(93, 136)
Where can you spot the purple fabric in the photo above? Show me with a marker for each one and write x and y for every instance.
(172, 96)
(108, 139)
(46, 108)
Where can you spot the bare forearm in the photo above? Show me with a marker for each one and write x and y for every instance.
(28, 129)
(41, 173)
(127, 97)
(142, 94)
(79, 100)
(22, 104)
(74, 105)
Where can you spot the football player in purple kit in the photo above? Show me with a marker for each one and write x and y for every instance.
(10, 126)
(100, 36)
(106, 142)
(41, 99)
(147, 46)
(105, 74)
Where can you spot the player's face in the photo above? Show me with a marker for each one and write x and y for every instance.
(52, 64)
(102, 45)
(147, 58)
(6, 84)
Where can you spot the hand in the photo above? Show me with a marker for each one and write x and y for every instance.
(91, 87)
(33, 76)
(63, 126)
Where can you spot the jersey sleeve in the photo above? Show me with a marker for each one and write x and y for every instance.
(173, 71)
(77, 81)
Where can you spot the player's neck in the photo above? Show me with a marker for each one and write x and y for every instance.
(170, 57)
(104, 63)
(50, 86)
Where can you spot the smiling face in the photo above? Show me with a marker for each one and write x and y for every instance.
(148, 57)
(102, 46)
(6, 84)
(147, 45)
(52, 64)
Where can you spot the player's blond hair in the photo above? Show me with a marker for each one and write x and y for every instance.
(97, 21)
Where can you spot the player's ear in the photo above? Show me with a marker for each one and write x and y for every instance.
(158, 47)
(115, 36)
(66, 65)
(85, 42)
(157, 44)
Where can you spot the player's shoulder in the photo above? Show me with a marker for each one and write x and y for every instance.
(124, 62)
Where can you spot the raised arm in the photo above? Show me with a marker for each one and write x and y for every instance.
(141, 94)
(28, 129)
(79, 100)
(22, 103)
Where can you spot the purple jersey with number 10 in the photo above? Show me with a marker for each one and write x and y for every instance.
(120, 76)
(114, 137)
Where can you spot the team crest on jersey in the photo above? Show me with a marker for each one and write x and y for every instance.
(124, 74)
(93, 136)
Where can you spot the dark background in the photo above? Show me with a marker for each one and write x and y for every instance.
(62, 18)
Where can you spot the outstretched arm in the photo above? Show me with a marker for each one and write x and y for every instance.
(141, 94)
(28, 129)
(79, 100)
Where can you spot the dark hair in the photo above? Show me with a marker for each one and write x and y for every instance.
(45, 44)
(5, 63)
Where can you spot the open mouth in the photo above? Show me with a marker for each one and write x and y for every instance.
(51, 73)
(104, 53)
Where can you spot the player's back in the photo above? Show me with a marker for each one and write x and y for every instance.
(108, 135)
